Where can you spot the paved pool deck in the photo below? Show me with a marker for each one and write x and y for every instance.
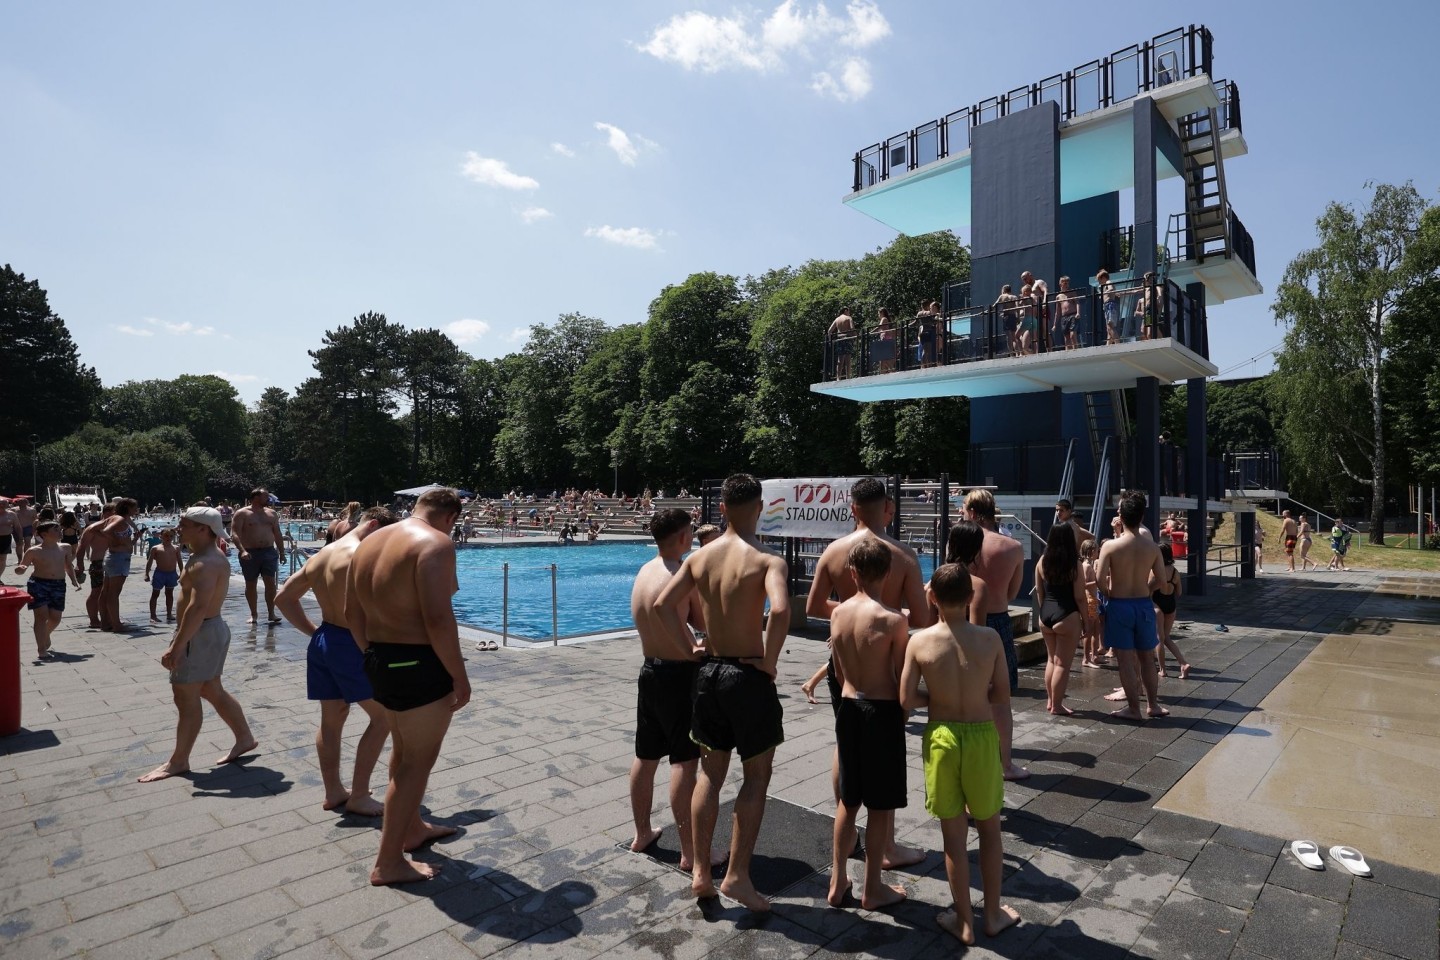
(242, 862)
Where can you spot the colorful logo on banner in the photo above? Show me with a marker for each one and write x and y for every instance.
(807, 507)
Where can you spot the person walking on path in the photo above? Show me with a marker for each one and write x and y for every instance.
(1165, 604)
(1060, 588)
(1306, 539)
(1290, 536)
(262, 547)
(52, 562)
(335, 668)
(90, 559)
(737, 708)
(398, 606)
(196, 654)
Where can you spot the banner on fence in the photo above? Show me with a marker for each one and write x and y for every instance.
(816, 507)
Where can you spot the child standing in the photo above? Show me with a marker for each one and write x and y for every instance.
(963, 667)
(164, 556)
(53, 562)
(1165, 611)
(867, 642)
(1090, 571)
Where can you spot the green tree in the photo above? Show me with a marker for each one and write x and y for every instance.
(430, 371)
(206, 406)
(910, 270)
(1411, 380)
(45, 391)
(270, 440)
(465, 439)
(163, 464)
(603, 406)
(1338, 301)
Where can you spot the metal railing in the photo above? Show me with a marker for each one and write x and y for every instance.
(505, 604)
(1176, 55)
(1069, 320)
(1180, 242)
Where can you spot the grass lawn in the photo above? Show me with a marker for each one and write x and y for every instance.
(1362, 555)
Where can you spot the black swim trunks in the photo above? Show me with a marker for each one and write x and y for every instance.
(870, 735)
(663, 710)
(832, 683)
(736, 708)
(97, 574)
(406, 675)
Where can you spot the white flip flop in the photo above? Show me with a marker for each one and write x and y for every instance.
(1308, 853)
(1350, 859)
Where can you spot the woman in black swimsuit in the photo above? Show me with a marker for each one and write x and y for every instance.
(1165, 612)
(1061, 590)
(69, 528)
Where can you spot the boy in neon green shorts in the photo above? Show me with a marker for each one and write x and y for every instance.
(963, 667)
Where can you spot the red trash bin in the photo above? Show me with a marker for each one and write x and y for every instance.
(12, 601)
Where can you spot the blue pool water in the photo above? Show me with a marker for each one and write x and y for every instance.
(592, 587)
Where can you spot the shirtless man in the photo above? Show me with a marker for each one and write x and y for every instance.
(397, 604)
(1065, 513)
(1040, 299)
(335, 669)
(262, 548)
(736, 706)
(963, 667)
(118, 533)
(842, 335)
(1290, 535)
(663, 707)
(8, 531)
(46, 586)
(868, 639)
(164, 558)
(1001, 564)
(196, 654)
(903, 589)
(25, 514)
(90, 557)
(1126, 565)
(1067, 306)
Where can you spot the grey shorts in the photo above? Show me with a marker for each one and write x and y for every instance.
(117, 564)
(205, 653)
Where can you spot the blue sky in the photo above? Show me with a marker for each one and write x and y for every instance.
(205, 188)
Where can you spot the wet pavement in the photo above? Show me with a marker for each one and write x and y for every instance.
(243, 862)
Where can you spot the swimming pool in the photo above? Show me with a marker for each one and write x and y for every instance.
(592, 587)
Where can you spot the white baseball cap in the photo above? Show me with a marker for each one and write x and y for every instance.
(208, 516)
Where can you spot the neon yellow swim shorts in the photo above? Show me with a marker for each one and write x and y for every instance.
(962, 768)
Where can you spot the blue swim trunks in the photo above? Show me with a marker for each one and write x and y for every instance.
(1130, 624)
(161, 579)
(45, 593)
(335, 668)
(1001, 624)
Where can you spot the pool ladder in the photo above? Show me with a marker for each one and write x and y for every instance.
(505, 608)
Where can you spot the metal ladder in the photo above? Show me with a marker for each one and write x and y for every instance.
(1102, 488)
(1105, 417)
(1207, 205)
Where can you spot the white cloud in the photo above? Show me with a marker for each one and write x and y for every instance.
(234, 377)
(561, 149)
(854, 81)
(180, 329)
(518, 335)
(637, 237)
(627, 149)
(495, 173)
(128, 330)
(710, 44)
(534, 214)
(466, 330)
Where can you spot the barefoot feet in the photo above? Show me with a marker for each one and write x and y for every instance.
(408, 871)
(1061, 710)
(428, 833)
(1014, 772)
(164, 772)
(717, 857)
(1126, 713)
(363, 805)
(334, 801)
(959, 924)
(1002, 921)
(883, 896)
(1158, 711)
(236, 752)
(643, 839)
(744, 893)
(1116, 695)
(839, 890)
(900, 855)
(1184, 670)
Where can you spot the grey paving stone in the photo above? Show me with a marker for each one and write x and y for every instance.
(1160, 774)
(1354, 951)
(1227, 875)
(1286, 925)
(1405, 878)
(1392, 920)
(1189, 927)
(1044, 887)
(1139, 883)
(1249, 840)
(1330, 883)
(1175, 835)
(1187, 750)
(1089, 930)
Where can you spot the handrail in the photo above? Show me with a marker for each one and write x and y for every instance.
(1123, 75)
(1102, 484)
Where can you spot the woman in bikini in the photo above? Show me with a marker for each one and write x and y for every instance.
(1060, 587)
(1165, 612)
(1305, 539)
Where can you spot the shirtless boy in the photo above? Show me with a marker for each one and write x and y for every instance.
(164, 558)
(90, 557)
(867, 642)
(118, 534)
(257, 535)
(667, 677)
(736, 706)
(335, 669)
(1127, 564)
(25, 520)
(903, 589)
(963, 667)
(1000, 564)
(196, 655)
(52, 562)
(397, 604)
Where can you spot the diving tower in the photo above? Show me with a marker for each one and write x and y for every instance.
(1034, 177)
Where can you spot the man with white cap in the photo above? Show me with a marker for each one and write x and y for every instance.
(196, 654)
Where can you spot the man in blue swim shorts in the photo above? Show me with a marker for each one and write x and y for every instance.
(335, 668)
(1126, 564)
